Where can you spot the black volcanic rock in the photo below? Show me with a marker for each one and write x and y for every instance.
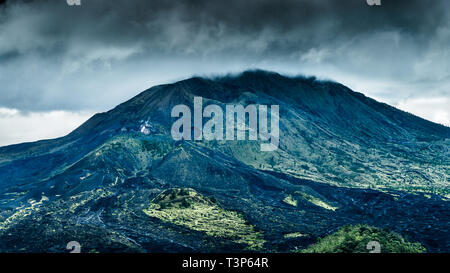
(343, 159)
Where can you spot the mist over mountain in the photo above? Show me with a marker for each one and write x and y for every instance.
(120, 183)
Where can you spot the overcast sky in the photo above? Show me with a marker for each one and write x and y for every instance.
(59, 64)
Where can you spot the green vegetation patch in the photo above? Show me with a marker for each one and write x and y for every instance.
(22, 212)
(186, 207)
(318, 202)
(354, 239)
(157, 147)
(290, 200)
(293, 235)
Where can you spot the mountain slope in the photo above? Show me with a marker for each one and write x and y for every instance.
(375, 164)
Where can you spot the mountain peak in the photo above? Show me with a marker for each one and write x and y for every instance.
(330, 102)
(367, 156)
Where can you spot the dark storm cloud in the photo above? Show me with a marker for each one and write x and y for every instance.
(177, 26)
(85, 57)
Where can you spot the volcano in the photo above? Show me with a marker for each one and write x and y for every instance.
(121, 183)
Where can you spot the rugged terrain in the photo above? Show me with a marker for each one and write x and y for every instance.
(120, 183)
